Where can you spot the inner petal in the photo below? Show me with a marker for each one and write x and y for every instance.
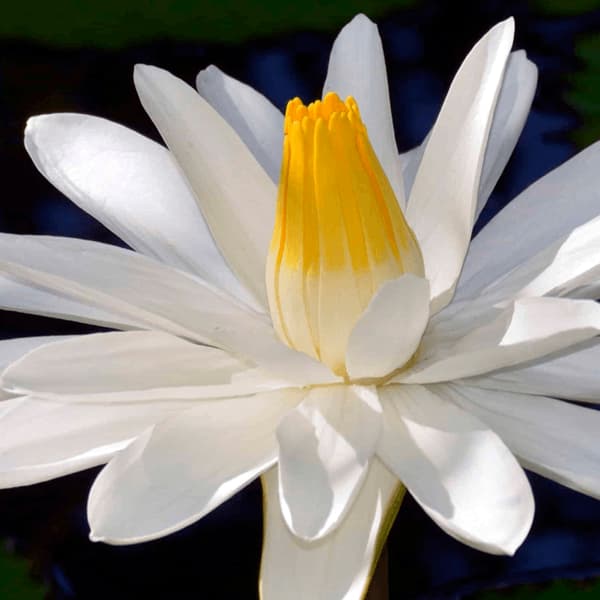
(339, 231)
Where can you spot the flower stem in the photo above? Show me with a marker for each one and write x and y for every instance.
(379, 588)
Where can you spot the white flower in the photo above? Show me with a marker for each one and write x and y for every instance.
(444, 370)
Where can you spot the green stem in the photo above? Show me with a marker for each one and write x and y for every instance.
(379, 588)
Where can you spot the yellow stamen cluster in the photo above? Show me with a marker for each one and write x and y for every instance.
(339, 231)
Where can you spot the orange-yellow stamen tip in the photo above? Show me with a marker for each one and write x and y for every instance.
(339, 231)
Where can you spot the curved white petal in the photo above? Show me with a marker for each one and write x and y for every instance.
(550, 437)
(325, 446)
(42, 440)
(255, 119)
(136, 288)
(390, 329)
(526, 330)
(119, 362)
(236, 196)
(357, 68)
(456, 468)
(15, 348)
(545, 212)
(133, 186)
(442, 204)
(339, 565)
(185, 467)
(571, 374)
(512, 108)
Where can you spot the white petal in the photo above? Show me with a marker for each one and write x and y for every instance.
(528, 329)
(390, 329)
(338, 566)
(458, 470)
(571, 374)
(138, 289)
(186, 466)
(40, 440)
(544, 213)
(512, 108)
(357, 68)
(325, 446)
(254, 118)
(235, 194)
(441, 208)
(13, 349)
(132, 185)
(550, 437)
(118, 362)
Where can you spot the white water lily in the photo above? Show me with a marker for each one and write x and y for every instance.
(380, 352)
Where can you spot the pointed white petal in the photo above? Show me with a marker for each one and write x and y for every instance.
(357, 68)
(133, 186)
(571, 374)
(325, 446)
(553, 438)
(390, 329)
(512, 107)
(443, 199)
(254, 118)
(41, 440)
(339, 565)
(186, 466)
(235, 194)
(456, 468)
(119, 362)
(136, 288)
(514, 102)
(528, 329)
(544, 213)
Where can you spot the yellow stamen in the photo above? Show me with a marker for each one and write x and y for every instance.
(339, 231)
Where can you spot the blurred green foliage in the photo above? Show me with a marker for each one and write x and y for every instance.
(114, 23)
(564, 7)
(559, 590)
(16, 582)
(584, 90)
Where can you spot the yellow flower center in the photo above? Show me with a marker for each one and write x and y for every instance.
(339, 231)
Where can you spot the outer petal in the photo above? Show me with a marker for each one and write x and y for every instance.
(186, 466)
(132, 186)
(339, 565)
(552, 438)
(443, 199)
(528, 329)
(458, 470)
(390, 329)
(236, 196)
(147, 295)
(357, 68)
(254, 118)
(13, 349)
(542, 214)
(118, 362)
(571, 374)
(514, 102)
(42, 440)
(325, 446)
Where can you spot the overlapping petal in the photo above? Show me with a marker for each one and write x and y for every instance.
(550, 437)
(235, 194)
(254, 118)
(443, 199)
(184, 467)
(456, 468)
(339, 565)
(325, 447)
(357, 68)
